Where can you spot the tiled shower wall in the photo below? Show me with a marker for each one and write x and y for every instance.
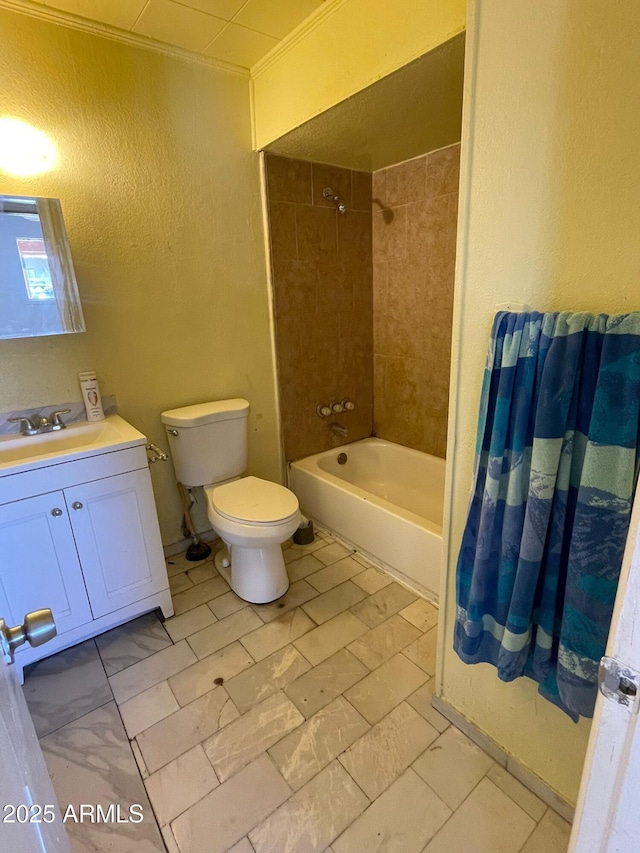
(414, 241)
(322, 282)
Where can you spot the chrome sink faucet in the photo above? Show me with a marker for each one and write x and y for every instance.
(41, 423)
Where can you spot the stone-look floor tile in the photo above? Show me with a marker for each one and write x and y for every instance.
(89, 761)
(169, 840)
(199, 594)
(188, 727)
(224, 632)
(421, 614)
(303, 566)
(487, 822)
(204, 572)
(297, 594)
(550, 836)
(453, 766)
(294, 552)
(65, 687)
(325, 682)
(243, 846)
(386, 750)
(148, 708)
(324, 641)
(381, 643)
(142, 767)
(277, 634)
(247, 737)
(421, 701)
(178, 583)
(334, 574)
(383, 604)
(332, 553)
(423, 651)
(200, 678)
(372, 579)
(313, 817)
(132, 642)
(385, 688)
(179, 627)
(226, 604)
(520, 795)
(337, 600)
(402, 820)
(302, 754)
(223, 817)
(180, 784)
(139, 677)
(266, 677)
(179, 563)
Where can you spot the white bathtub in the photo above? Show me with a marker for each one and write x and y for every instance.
(385, 499)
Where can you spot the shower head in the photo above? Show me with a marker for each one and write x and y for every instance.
(387, 212)
(327, 192)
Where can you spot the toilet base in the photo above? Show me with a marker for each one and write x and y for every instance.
(257, 575)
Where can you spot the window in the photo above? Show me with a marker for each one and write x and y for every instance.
(35, 268)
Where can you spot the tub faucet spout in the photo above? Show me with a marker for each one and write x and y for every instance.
(338, 430)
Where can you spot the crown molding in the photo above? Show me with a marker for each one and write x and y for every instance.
(84, 25)
(300, 33)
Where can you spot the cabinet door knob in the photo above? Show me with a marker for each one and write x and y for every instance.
(56, 513)
(76, 505)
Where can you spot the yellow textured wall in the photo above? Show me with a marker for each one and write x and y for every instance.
(160, 192)
(550, 181)
(357, 44)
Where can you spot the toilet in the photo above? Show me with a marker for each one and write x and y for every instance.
(253, 517)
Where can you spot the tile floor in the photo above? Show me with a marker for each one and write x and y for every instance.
(304, 725)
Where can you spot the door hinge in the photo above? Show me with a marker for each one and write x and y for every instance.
(619, 682)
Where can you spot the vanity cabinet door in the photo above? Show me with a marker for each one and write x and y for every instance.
(116, 531)
(39, 564)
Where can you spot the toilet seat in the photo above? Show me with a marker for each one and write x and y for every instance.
(254, 501)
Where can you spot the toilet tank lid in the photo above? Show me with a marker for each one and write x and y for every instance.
(206, 413)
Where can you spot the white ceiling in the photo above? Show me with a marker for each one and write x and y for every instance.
(236, 31)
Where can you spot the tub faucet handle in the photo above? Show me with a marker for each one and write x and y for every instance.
(348, 405)
(337, 408)
(323, 411)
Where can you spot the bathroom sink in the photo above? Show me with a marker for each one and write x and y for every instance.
(78, 441)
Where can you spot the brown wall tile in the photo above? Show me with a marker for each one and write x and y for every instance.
(323, 300)
(282, 222)
(369, 281)
(443, 171)
(361, 191)
(317, 234)
(332, 177)
(288, 180)
(406, 182)
(413, 298)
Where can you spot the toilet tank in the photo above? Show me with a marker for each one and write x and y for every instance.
(208, 441)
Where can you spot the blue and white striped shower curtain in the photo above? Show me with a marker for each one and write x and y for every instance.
(555, 471)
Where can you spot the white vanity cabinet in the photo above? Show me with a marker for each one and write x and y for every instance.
(80, 535)
(40, 565)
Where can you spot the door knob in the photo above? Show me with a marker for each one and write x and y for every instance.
(76, 505)
(39, 627)
(56, 513)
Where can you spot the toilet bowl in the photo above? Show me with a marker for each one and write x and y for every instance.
(253, 517)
